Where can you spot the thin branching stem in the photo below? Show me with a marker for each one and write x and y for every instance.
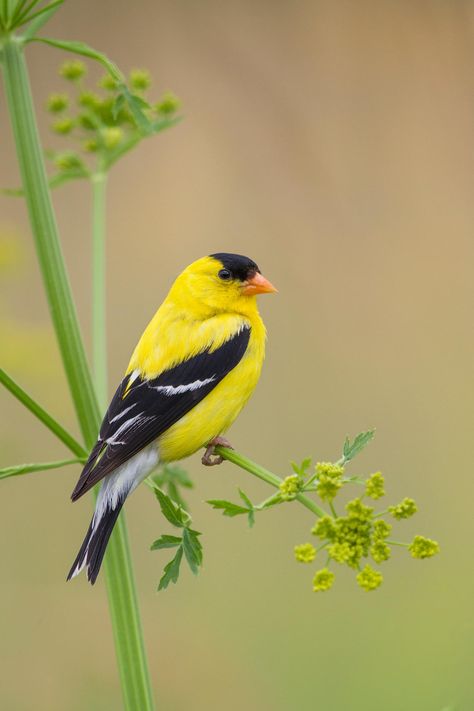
(253, 468)
(42, 415)
(99, 334)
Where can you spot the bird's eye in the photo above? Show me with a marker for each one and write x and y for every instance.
(224, 274)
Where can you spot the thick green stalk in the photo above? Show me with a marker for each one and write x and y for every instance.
(253, 468)
(99, 338)
(120, 582)
(45, 233)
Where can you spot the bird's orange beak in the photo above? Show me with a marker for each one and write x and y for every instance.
(258, 285)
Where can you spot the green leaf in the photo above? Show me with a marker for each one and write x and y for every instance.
(251, 514)
(174, 471)
(136, 105)
(65, 176)
(20, 469)
(171, 570)
(272, 501)
(117, 106)
(245, 498)
(170, 477)
(85, 51)
(38, 19)
(351, 449)
(192, 549)
(228, 508)
(166, 541)
(164, 123)
(173, 513)
(301, 469)
(13, 192)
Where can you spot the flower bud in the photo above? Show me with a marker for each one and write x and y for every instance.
(112, 136)
(369, 579)
(422, 547)
(63, 126)
(374, 486)
(67, 161)
(73, 71)
(305, 553)
(380, 551)
(404, 509)
(57, 103)
(323, 580)
(90, 145)
(107, 82)
(89, 100)
(168, 104)
(140, 79)
(289, 487)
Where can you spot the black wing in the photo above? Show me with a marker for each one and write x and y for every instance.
(141, 409)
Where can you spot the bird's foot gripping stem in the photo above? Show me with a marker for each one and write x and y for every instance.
(210, 458)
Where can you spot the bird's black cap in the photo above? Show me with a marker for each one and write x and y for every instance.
(240, 267)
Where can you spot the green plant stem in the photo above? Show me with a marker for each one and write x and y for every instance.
(120, 581)
(99, 334)
(123, 605)
(42, 415)
(253, 468)
(45, 233)
(20, 469)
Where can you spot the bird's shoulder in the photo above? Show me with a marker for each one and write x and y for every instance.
(173, 337)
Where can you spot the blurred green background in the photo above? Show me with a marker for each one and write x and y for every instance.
(332, 142)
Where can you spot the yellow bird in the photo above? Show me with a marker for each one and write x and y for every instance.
(193, 370)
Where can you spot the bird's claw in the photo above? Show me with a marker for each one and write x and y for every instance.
(210, 458)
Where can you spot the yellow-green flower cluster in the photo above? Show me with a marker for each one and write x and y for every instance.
(305, 553)
(381, 529)
(353, 534)
(369, 579)
(361, 534)
(404, 509)
(323, 580)
(328, 480)
(380, 551)
(374, 486)
(109, 122)
(422, 547)
(290, 487)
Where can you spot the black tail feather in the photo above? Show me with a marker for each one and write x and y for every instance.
(99, 542)
(94, 545)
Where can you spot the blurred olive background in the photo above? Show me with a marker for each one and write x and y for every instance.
(332, 142)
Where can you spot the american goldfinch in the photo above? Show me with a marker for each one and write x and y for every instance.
(193, 370)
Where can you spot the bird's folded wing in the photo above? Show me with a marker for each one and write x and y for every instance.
(142, 409)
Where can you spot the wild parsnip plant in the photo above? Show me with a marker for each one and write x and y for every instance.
(362, 534)
(104, 127)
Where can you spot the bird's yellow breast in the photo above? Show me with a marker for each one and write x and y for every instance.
(215, 414)
(170, 339)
